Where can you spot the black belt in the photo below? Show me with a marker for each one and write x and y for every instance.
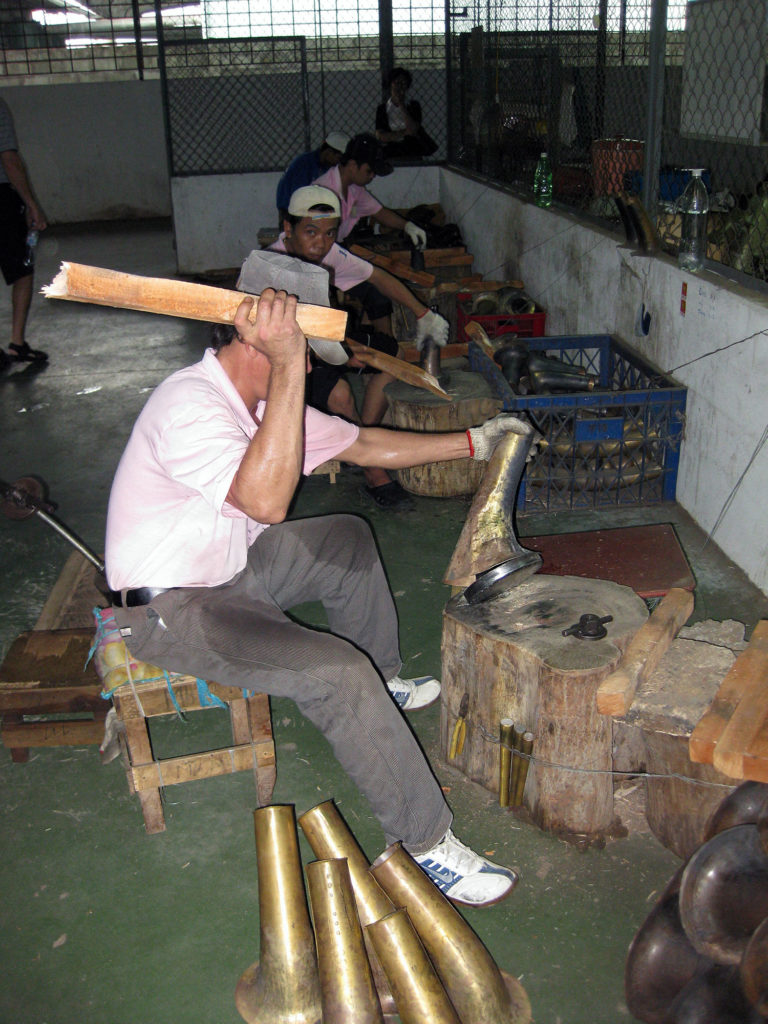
(134, 598)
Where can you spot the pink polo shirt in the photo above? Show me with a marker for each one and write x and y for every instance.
(345, 269)
(169, 523)
(358, 202)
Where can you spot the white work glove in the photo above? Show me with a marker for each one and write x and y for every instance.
(431, 325)
(483, 439)
(416, 236)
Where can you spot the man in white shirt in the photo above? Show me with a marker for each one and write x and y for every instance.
(203, 564)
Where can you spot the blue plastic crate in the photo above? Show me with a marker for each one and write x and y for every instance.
(617, 445)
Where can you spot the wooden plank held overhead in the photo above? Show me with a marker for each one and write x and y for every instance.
(79, 283)
(732, 733)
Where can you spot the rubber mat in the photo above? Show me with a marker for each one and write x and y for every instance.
(648, 559)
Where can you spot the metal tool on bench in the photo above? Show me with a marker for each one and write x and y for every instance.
(26, 497)
(488, 560)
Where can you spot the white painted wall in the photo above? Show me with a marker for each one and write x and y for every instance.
(589, 283)
(93, 151)
(217, 218)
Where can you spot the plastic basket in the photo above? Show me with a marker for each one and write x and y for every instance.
(617, 445)
(525, 325)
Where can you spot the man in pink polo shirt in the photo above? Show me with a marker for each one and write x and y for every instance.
(203, 564)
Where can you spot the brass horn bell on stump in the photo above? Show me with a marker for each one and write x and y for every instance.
(283, 986)
(488, 559)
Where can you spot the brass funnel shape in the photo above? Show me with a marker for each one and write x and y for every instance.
(331, 839)
(346, 984)
(283, 987)
(488, 559)
(419, 993)
(479, 992)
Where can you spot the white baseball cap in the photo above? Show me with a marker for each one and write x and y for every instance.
(337, 140)
(308, 281)
(303, 199)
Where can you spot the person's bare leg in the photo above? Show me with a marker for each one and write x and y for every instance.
(21, 297)
(341, 402)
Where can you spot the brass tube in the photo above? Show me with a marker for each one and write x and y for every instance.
(475, 986)
(517, 738)
(330, 838)
(419, 994)
(347, 990)
(506, 725)
(526, 746)
(284, 986)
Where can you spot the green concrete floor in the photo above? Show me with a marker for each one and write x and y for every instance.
(103, 924)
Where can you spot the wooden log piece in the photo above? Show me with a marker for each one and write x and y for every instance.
(751, 664)
(645, 651)
(471, 403)
(79, 283)
(510, 656)
(744, 733)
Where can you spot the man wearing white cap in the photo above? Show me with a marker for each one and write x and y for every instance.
(309, 232)
(303, 169)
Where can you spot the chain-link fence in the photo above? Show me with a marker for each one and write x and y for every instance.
(624, 95)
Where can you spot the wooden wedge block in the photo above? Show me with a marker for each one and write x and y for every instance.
(750, 664)
(744, 728)
(79, 283)
(646, 649)
(394, 267)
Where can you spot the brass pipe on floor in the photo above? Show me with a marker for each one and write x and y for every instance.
(419, 994)
(475, 986)
(347, 991)
(330, 838)
(284, 986)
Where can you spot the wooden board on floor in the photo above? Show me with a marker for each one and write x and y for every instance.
(648, 559)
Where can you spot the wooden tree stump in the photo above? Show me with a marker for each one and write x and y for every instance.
(509, 655)
(413, 408)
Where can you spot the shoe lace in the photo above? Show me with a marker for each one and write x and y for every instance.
(456, 856)
(401, 685)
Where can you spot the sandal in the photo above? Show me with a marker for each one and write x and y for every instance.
(25, 354)
(391, 497)
(5, 360)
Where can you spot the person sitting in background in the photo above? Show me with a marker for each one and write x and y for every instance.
(398, 121)
(360, 162)
(309, 233)
(303, 169)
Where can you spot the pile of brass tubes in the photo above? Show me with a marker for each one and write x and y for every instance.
(321, 972)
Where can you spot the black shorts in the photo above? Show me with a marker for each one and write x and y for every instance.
(324, 376)
(374, 304)
(13, 235)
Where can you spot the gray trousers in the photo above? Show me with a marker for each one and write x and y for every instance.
(239, 635)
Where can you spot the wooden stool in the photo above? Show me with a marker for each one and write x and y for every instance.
(253, 745)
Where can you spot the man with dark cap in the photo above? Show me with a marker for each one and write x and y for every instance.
(303, 169)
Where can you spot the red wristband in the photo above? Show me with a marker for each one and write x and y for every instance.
(422, 314)
(471, 446)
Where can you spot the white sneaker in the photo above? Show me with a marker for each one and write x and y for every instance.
(414, 694)
(463, 876)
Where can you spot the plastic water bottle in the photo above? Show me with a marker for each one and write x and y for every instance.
(693, 208)
(29, 255)
(542, 182)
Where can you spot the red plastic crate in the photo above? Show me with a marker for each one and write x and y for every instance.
(526, 325)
